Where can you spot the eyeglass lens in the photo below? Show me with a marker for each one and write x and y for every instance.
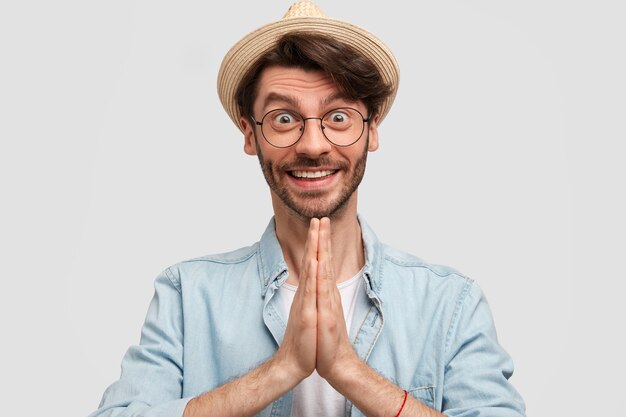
(342, 126)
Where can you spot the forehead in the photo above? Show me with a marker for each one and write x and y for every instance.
(294, 79)
(295, 86)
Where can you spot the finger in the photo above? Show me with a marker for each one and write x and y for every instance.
(326, 280)
(307, 282)
(312, 241)
(323, 249)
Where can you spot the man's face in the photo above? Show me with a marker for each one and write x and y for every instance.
(312, 178)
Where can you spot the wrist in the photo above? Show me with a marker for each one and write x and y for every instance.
(287, 371)
(345, 372)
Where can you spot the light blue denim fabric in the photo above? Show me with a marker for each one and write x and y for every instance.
(426, 328)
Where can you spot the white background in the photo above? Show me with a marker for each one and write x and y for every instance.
(502, 157)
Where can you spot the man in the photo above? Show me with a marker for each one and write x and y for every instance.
(318, 318)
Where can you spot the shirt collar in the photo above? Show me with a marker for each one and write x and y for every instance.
(373, 253)
(273, 266)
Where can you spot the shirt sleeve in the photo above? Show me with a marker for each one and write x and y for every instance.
(151, 381)
(476, 380)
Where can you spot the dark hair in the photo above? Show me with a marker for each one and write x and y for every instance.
(356, 77)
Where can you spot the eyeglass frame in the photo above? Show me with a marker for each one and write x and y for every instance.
(304, 119)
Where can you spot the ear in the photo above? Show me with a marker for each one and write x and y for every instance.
(249, 144)
(373, 133)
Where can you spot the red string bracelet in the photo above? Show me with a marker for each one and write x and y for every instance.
(403, 402)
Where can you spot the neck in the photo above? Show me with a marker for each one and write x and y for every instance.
(347, 245)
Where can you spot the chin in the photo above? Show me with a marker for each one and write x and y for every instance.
(317, 209)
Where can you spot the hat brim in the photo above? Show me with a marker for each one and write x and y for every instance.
(248, 50)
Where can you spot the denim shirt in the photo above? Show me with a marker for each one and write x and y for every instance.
(426, 328)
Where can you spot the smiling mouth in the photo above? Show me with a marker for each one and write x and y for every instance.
(311, 174)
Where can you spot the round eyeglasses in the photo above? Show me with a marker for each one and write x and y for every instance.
(342, 126)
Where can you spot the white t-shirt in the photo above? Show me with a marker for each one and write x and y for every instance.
(314, 396)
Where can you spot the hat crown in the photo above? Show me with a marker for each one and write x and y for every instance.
(304, 9)
(302, 17)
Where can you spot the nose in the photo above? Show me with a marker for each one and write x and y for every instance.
(313, 143)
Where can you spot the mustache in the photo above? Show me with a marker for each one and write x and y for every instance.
(304, 162)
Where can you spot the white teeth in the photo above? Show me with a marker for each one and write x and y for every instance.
(311, 174)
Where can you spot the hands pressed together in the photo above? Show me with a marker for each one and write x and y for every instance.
(316, 336)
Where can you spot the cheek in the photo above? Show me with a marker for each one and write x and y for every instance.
(359, 153)
(267, 158)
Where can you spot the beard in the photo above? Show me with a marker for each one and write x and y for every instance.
(312, 203)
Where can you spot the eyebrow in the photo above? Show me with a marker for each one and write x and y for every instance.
(272, 97)
(294, 101)
(335, 96)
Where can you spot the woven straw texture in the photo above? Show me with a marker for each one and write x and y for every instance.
(301, 17)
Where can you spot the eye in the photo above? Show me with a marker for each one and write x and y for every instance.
(283, 118)
(338, 117)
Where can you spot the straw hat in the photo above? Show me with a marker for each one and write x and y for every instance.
(301, 17)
